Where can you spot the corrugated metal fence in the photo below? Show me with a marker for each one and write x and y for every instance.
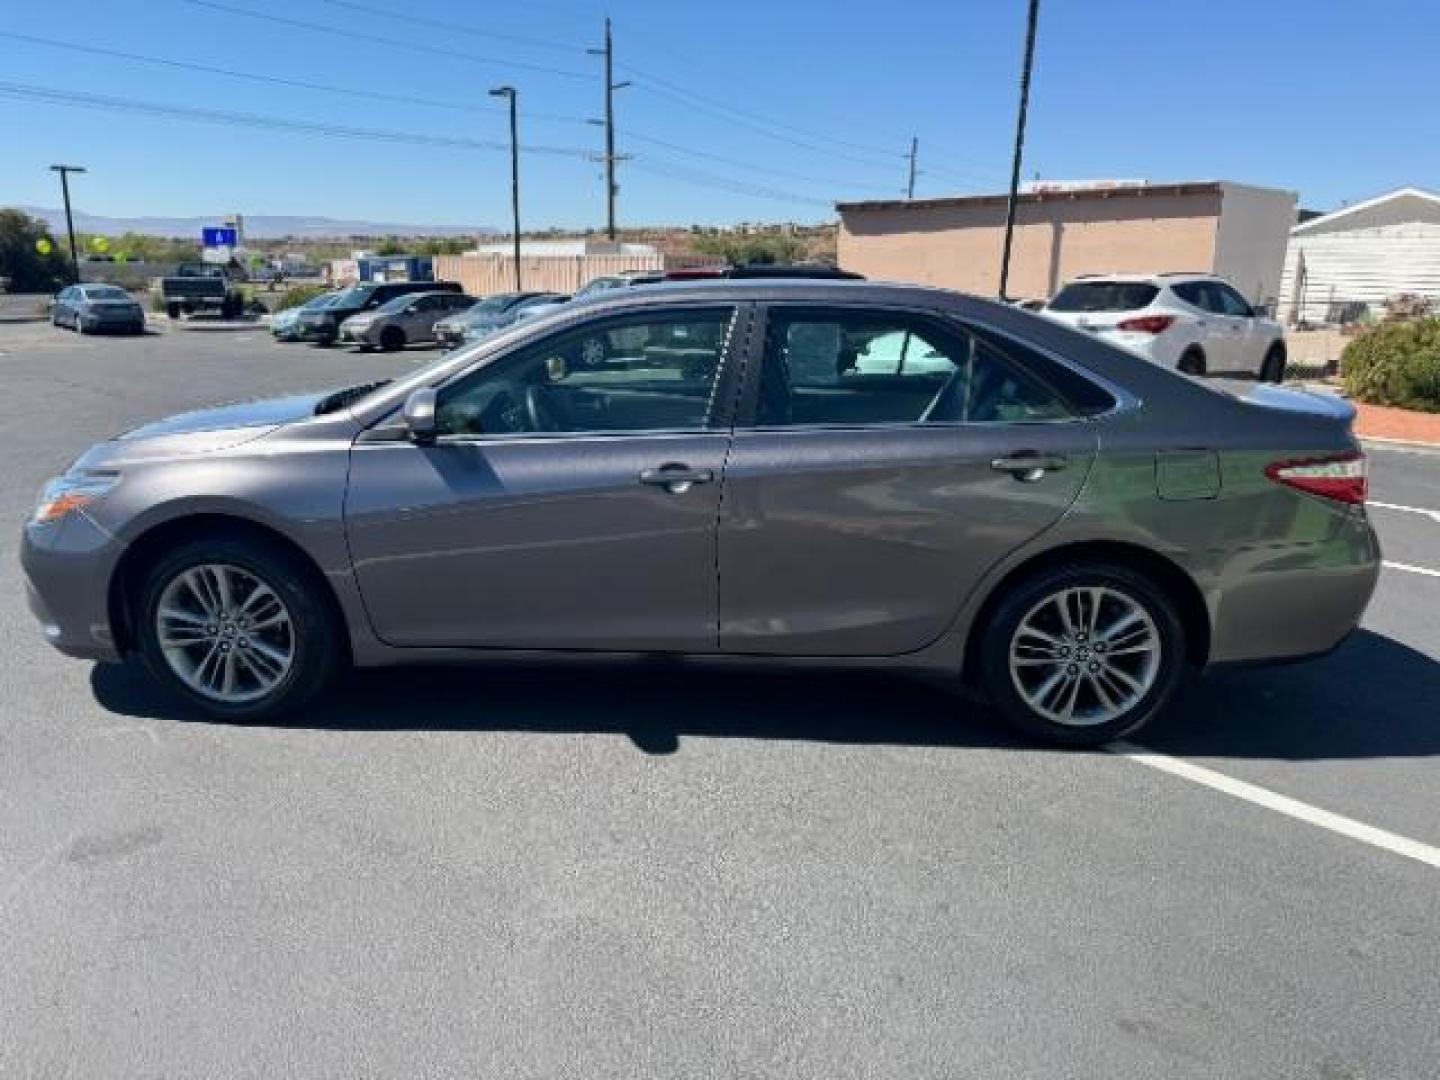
(481, 275)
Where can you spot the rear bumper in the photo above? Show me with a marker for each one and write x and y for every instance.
(1296, 601)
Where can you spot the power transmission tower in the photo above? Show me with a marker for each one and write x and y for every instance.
(609, 157)
(914, 150)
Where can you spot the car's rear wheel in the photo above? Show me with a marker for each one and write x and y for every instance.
(1192, 362)
(1272, 370)
(392, 338)
(1080, 655)
(234, 627)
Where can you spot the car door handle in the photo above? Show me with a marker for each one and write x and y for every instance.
(1028, 466)
(676, 478)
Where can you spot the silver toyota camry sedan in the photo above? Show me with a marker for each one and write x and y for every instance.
(837, 473)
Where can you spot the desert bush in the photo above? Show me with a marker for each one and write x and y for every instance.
(299, 294)
(1395, 364)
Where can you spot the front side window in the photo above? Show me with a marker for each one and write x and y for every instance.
(858, 368)
(628, 373)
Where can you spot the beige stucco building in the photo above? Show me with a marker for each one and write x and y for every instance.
(1233, 230)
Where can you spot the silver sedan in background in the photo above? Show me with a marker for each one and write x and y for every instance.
(90, 309)
(405, 320)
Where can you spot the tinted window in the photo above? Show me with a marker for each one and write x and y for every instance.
(635, 373)
(1193, 292)
(1104, 296)
(829, 367)
(1231, 302)
(105, 292)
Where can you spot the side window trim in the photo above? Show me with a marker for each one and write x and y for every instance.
(724, 395)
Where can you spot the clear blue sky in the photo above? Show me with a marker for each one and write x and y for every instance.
(812, 100)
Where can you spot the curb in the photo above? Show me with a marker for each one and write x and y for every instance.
(1409, 444)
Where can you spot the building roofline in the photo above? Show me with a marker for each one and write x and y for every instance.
(1334, 215)
(1130, 191)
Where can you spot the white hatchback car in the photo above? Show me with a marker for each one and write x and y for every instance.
(1196, 323)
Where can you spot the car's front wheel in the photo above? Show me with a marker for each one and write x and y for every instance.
(1080, 655)
(1272, 370)
(234, 626)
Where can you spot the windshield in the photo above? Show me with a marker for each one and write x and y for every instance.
(399, 303)
(1103, 296)
(323, 300)
(489, 309)
(354, 297)
(105, 292)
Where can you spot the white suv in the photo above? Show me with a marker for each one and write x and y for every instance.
(1196, 323)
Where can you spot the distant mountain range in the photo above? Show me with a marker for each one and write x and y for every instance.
(257, 227)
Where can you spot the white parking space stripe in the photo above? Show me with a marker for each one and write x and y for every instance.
(1433, 515)
(1281, 804)
(1409, 569)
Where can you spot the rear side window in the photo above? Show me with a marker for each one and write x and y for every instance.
(861, 367)
(1104, 296)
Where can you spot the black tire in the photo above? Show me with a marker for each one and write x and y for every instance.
(317, 644)
(392, 338)
(995, 676)
(1192, 362)
(1272, 370)
(172, 312)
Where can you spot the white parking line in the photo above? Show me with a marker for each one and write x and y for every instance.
(1281, 804)
(1409, 569)
(1433, 515)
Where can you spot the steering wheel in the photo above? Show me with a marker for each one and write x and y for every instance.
(538, 412)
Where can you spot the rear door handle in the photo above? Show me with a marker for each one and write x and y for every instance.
(1028, 466)
(676, 478)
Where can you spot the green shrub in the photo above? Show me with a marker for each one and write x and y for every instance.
(1395, 364)
(298, 295)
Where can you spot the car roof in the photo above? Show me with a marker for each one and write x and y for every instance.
(1167, 277)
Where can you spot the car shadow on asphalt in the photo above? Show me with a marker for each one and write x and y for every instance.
(1373, 697)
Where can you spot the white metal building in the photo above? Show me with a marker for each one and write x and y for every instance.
(1343, 264)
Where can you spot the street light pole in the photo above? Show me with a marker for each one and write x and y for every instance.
(1030, 21)
(510, 93)
(914, 152)
(65, 171)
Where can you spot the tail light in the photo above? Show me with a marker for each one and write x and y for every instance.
(1341, 477)
(1147, 324)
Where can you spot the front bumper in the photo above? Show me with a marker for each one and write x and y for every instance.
(323, 332)
(364, 334)
(68, 566)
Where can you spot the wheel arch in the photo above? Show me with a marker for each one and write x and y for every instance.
(163, 536)
(1166, 574)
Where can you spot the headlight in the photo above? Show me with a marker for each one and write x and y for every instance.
(71, 492)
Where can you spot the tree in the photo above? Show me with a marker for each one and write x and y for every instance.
(22, 262)
(391, 245)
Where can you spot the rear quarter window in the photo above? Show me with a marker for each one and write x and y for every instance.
(1104, 296)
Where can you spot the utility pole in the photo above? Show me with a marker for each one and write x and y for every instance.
(1031, 19)
(510, 92)
(65, 171)
(610, 157)
(914, 150)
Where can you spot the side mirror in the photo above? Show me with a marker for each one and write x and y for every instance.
(420, 416)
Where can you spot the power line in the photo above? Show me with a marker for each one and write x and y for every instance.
(106, 102)
(723, 183)
(683, 92)
(390, 43)
(411, 19)
(278, 80)
(742, 164)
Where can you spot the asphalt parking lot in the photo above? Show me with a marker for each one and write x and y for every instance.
(688, 872)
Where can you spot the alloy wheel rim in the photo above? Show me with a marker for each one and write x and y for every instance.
(225, 633)
(1085, 656)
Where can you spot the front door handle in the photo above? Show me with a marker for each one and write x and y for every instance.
(1028, 466)
(676, 478)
